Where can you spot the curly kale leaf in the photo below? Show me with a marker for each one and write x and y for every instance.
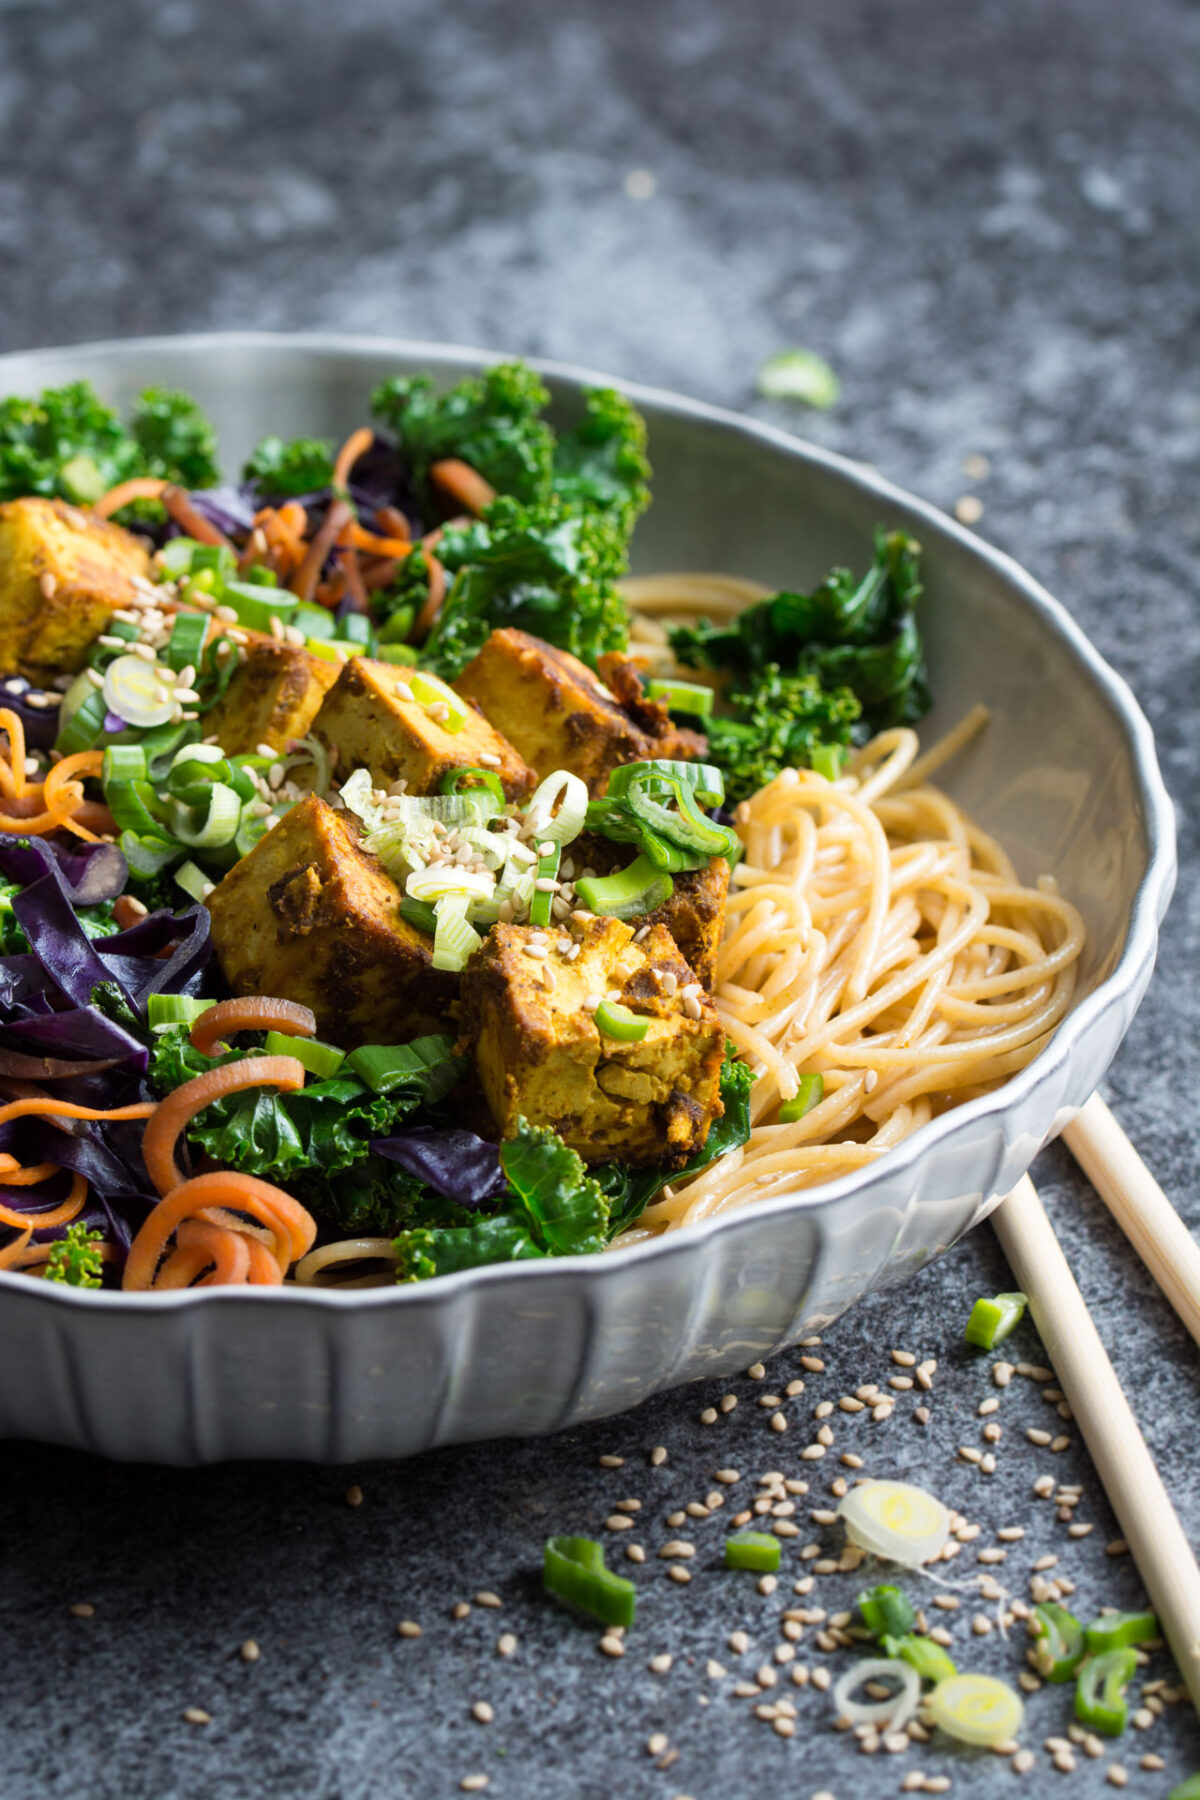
(491, 421)
(75, 1257)
(543, 569)
(97, 921)
(176, 439)
(780, 721)
(601, 464)
(283, 470)
(66, 442)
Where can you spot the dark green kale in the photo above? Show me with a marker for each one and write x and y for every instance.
(75, 1257)
(491, 421)
(97, 921)
(283, 470)
(68, 443)
(176, 439)
(799, 661)
(601, 464)
(544, 569)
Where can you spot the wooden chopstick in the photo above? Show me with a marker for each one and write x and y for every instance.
(1124, 1463)
(1139, 1206)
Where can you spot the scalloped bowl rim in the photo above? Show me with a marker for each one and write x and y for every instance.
(1150, 903)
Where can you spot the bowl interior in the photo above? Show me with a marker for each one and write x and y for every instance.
(1052, 776)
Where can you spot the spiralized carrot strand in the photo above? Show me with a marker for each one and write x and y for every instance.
(46, 1106)
(263, 1269)
(391, 520)
(11, 1251)
(362, 539)
(37, 825)
(293, 1228)
(191, 519)
(254, 1013)
(427, 617)
(63, 779)
(16, 1176)
(200, 1246)
(142, 487)
(463, 483)
(62, 1214)
(304, 581)
(12, 774)
(355, 446)
(172, 1115)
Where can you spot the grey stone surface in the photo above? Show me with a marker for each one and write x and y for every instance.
(985, 216)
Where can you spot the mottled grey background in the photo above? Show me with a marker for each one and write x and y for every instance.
(984, 213)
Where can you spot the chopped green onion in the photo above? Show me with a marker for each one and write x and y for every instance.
(809, 1093)
(688, 828)
(704, 779)
(454, 938)
(1100, 1690)
(429, 690)
(193, 881)
(886, 1611)
(827, 760)
(396, 628)
(574, 1570)
(922, 1654)
(174, 1009)
(991, 1321)
(557, 808)
(123, 762)
(147, 856)
(132, 689)
(441, 879)
(641, 888)
(324, 649)
(894, 1520)
(220, 822)
(1186, 1790)
(256, 605)
(976, 1709)
(321, 1060)
(1060, 1646)
(188, 632)
(799, 375)
(470, 779)
(382, 1066)
(692, 697)
(356, 628)
(314, 621)
(132, 805)
(1116, 1631)
(752, 1550)
(403, 654)
(418, 913)
(541, 903)
(616, 1021)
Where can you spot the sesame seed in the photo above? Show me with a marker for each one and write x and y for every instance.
(482, 1712)
(1002, 1374)
(756, 1371)
(488, 1599)
(474, 1784)
(635, 1553)
(658, 1665)
(1059, 1444)
(678, 1573)
(82, 1609)
(354, 1495)
(506, 1643)
(196, 1715)
(249, 1651)
(768, 1584)
(1118, 1547)
(618, 1522)
(1079, 1531)
(658, 1456)
(1038, 1437)
(778, 1422)
(968, 509)
(408, 1628)
(460, 1610)
(813, 1364)
(1153, 1762)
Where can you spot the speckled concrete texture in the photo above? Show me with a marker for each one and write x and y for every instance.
(984, 215)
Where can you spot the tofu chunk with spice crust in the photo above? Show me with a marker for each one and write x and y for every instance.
(541, 1056)
(371, 720)
(273, 698)
(561, 716)
(695, 913)
(62, 576)
(308, 915)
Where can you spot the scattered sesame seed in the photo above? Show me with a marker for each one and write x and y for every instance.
(658, 1665)
(506, 1643)
(1118, 1547)
(1059, 1444)
(968, 509)
(656, 1743)
(618, 1522)
(196, 1715)
(354, 1495)
(756, 1371)
(728, 1402)
(408, 1628)
(768, 1584)
(1038, 1437)
(611, 1646)
(678, 1573)
(487, 1598)
(635, 1553)
(460, 1610)
(82, 1609)
(709, 1416)
(778, 1422)
(249, 1651)
(474, 1784)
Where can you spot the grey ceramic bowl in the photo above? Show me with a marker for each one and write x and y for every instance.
(1065, 775)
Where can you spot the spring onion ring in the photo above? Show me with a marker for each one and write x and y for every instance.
(900, 1523)
(894, 1712)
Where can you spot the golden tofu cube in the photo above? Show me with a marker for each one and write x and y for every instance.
(62, 576)
(695, 913)
(541, 1056)
(273, 698)
(371, 721)
(308, 915)
(562, 716)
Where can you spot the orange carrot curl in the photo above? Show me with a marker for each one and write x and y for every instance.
(204, 1201)
(172, 1115)
(254, 1013)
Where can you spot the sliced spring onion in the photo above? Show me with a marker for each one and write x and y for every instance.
(616, 1021)
(1186, 1790)
(84, 725)
(574, 1570)
(174, 1009)
(201, 753)
(468, 778)
(219, 824)
(356, 793)
(809, 1093)
(886, 1611)
(991, 1321)
(692, 697)
(557, 808)
(250, 830)
(976, 1709)
(133, 805)
(381, 1067)
(640, 888)
(256, 605)
(418, 913)
(314, 621)
(1060, 1645)
(927, 1658)
(186, 645)
(131, 688)
(325, 649)
(321, 1060)
(193, 881)
(429, 691)
(147, 856)
(541, 904)
(799, 375)
(891, 1519)
(446, 878)
(393, 633)
(704, 779)
(454, 939)
(401, 654)
(895, 1711)
(356, 628)
(752, 1550)
(1116, 1631)
(123, 762)
(827, 760)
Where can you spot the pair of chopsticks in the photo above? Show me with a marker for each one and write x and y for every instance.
(1149, 1522)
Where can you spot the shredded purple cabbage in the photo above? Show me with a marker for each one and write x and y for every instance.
(40, 722)
(458, 1164)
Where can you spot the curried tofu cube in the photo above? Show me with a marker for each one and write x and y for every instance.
(309, 916)
(561, 716)
(370, 720)
(273, 698)
(540, 1054)
(62, 576)
(695, 913)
